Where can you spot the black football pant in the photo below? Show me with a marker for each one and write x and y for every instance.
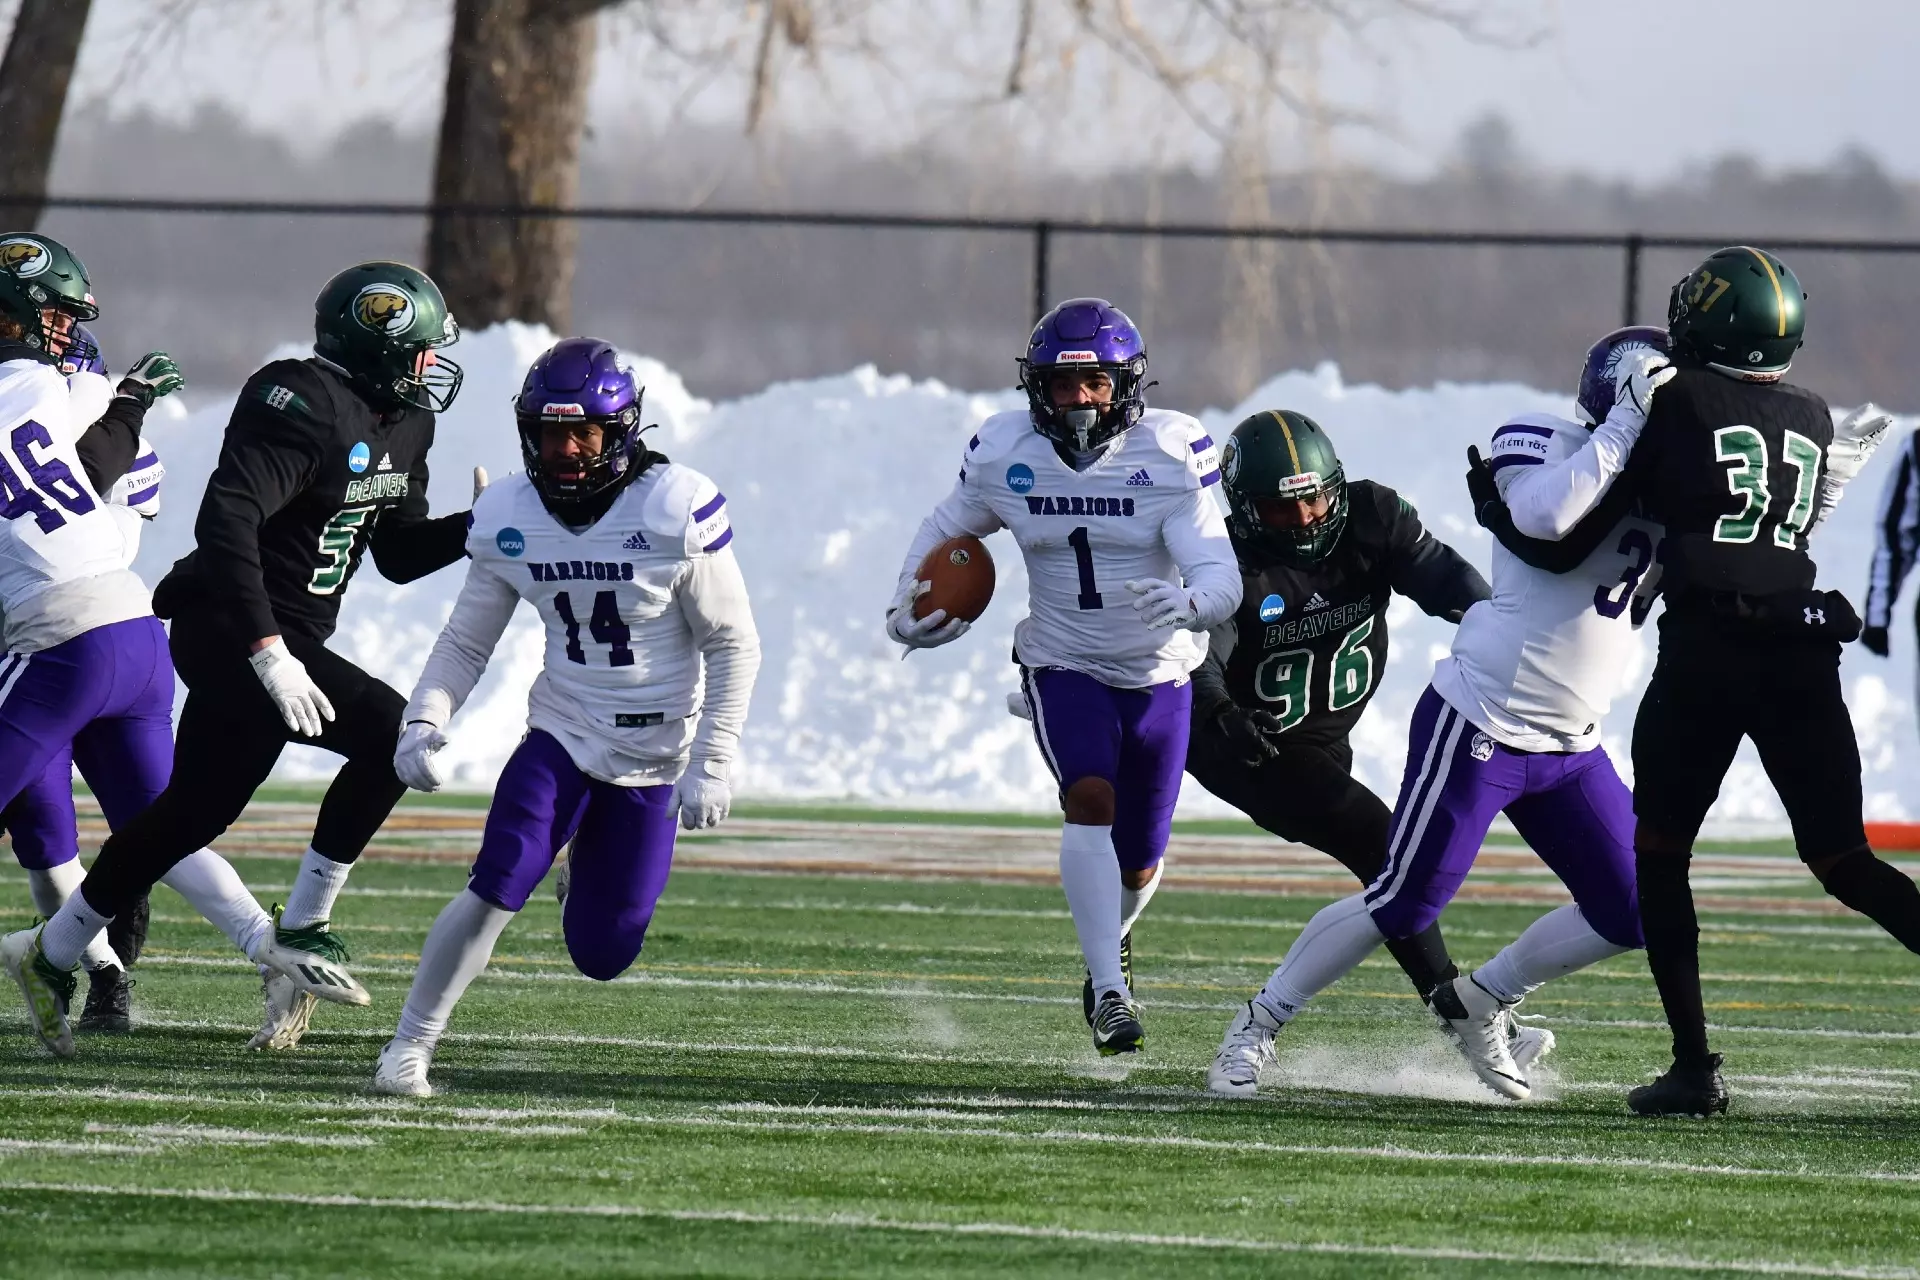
(1716, 682)
(1308, 795)
(229, 737)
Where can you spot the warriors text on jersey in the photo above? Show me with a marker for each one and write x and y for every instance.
(310, 476)
(1309, 642)
(1735, 471)
(1143, 509)
(1538, 665)
(63, 554)
(634, 607)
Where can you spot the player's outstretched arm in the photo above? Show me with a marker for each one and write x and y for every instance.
(1196, 536)
(963, 511)
(458, 660)
(1549, 495)
(713, 599)
(1855, 440)
(407, 543)
(1426, 570)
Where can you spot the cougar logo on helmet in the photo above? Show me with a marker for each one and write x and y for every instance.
(24, 256)
(383, 309)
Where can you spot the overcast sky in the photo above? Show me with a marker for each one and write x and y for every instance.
(1628, 88)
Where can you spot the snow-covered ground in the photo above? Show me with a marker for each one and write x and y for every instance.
(826, 480)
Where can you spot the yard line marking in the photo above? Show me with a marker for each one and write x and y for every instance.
(174, 1134)
(1638, 1024)
(1003, 1230)
(65, 1147)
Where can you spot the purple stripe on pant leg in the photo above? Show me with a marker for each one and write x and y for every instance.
(1031, 687)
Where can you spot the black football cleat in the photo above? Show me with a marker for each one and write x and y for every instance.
(1126, 971)
(108, 1005)
(127, 932)
(1116, 1025)
(1691, 1089)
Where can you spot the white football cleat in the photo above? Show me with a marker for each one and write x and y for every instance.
(1527, 1044)
(402, 1068)
(289, 1010)
(1478, 1020)
(1247, 1047)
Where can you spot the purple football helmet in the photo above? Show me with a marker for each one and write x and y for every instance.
(579, 381)
(1085, 334)
(1595, 397)
(83, 352)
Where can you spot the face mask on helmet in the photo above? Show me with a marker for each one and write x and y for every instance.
(1594, 398)
(432, 380)
(579, 419)
(1083, 374)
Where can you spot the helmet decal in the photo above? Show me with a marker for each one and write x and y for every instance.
(1230, 460)
(24, 256)
(383, 308)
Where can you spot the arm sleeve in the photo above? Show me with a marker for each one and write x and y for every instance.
(962, 511)
(460, 655)
(266, 458)
(1210, 696)
(1196, 534)
(1428, 571)
(1547, 498)
(108, 447)
(713, 598)
(1896, 535)
(407, 543)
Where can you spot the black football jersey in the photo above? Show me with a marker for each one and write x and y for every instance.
(310, 477)
(1309, 644)
(1731, 469)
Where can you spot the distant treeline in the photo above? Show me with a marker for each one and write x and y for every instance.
(733, 309)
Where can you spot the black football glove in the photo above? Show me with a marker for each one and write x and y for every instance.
(1252, 736)
(1480, 485)
(1875, 640)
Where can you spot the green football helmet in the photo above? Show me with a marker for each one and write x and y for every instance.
(1277, 468)
(38, 274)
(375, 320)
(1741, 313)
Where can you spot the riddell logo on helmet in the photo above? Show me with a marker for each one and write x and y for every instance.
(1076, 357)
(383, 309)
(1305, 482)
(24, 256)
(562, 411)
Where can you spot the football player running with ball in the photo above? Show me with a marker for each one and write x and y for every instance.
(1741, 468)
(1288, 675)
(635, 717)
(1511, 721)
(1128, 565)
(323, 460)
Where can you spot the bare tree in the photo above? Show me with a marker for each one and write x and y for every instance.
(34, 77)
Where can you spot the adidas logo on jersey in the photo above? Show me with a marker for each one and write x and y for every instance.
(1316, 601)
(1140, 479)
(386, 462)
(636, 541)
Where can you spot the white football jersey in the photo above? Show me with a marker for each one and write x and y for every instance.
(1142, 510)
(63, 553)
(634, 606)
(1538, 665)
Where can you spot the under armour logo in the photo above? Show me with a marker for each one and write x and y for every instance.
(1816, 617)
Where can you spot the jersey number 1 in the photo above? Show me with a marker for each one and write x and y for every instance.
(604, 624)
(1083, 560)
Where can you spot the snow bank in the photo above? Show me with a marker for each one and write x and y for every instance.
(826, 481)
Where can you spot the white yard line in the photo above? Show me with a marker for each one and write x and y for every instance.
(991, 1230)
(193, 1134)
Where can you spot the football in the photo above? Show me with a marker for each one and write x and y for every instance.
(961, 574)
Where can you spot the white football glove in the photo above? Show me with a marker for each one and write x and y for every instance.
(413, 758)
(1855, 439)
(704, 799)
(301, 703)
(922, 633)
(1639, 376)
(1162, 604)
(480, 481)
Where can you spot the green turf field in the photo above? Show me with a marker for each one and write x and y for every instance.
(859, 1075)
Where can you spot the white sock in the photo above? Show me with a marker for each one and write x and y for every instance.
(1335, 940)
(1134, 901)
(310, 901)
(1554, 945)
(213, 888)
(1090, 873)
(51, 888)
(455, 953)
(64, 938)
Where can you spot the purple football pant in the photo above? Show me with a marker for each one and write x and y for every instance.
(1571, 808)
(1135, 739)
(103, 699)
(622, 850)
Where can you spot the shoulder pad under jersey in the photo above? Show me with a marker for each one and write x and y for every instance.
(289, 388)
(89, 394)
(493, 525)
(1181, 436)
(999, 436)
(682, 503)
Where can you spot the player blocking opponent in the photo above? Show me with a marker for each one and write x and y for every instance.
(1102, 494)
(636, 714)
(1510, 722)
